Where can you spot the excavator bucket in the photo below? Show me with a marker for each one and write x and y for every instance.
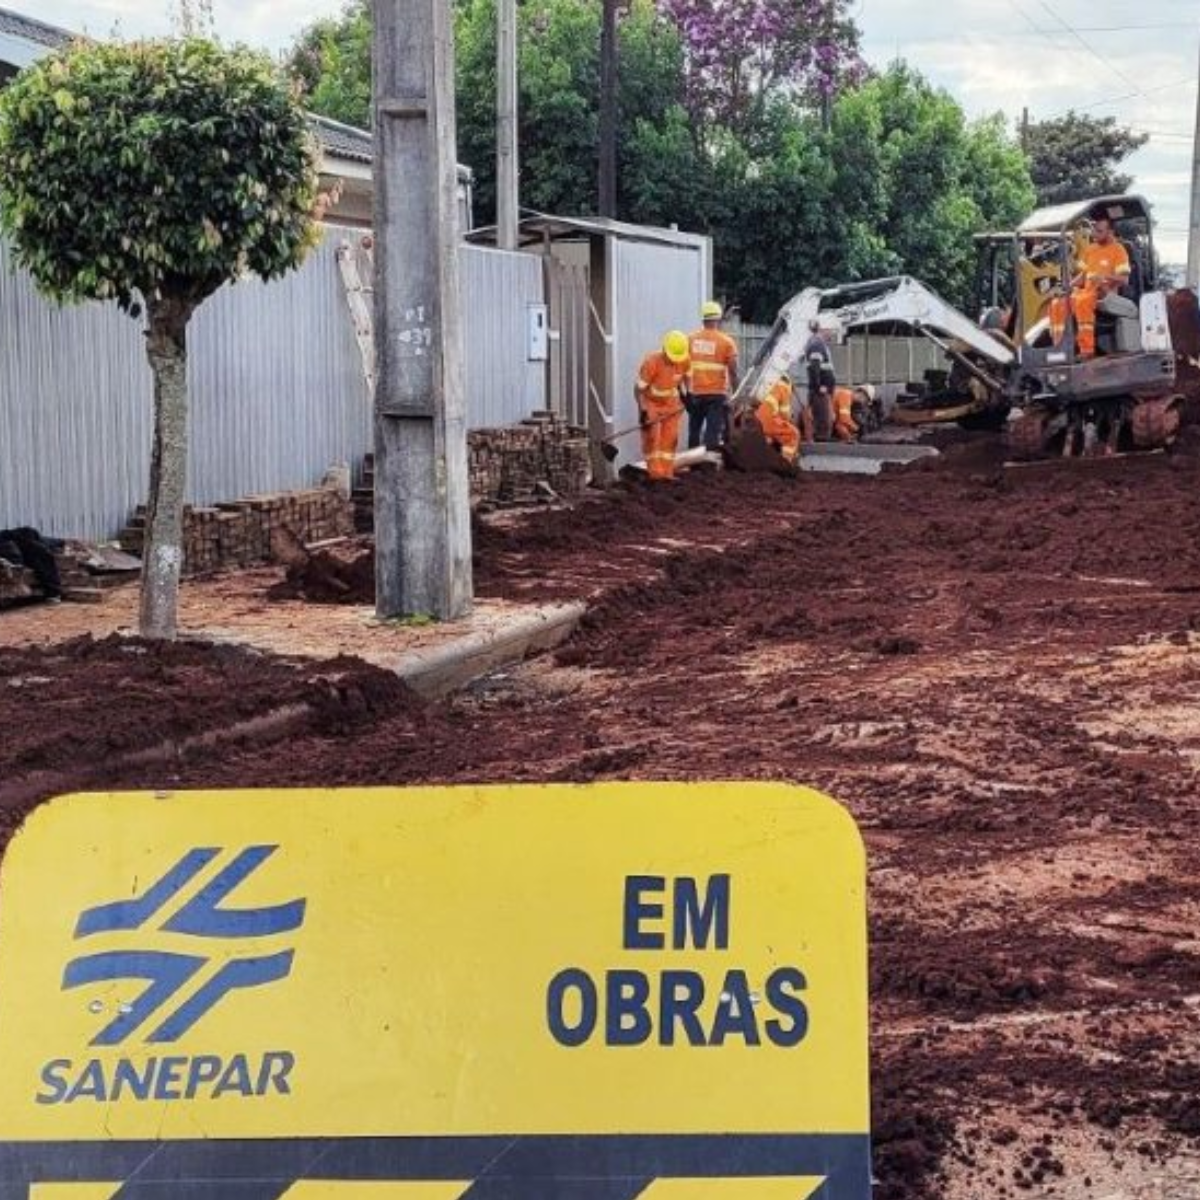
(749, 450)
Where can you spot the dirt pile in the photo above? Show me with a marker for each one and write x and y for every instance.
(72, 712)
(324, 576)
(997, 670)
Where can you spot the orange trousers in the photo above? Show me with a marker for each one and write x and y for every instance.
(777, 428)
(660, 439)
(1082, 305)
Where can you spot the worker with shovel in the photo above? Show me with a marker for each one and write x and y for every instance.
(662, 383)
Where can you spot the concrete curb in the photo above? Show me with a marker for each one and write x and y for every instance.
(440, 670)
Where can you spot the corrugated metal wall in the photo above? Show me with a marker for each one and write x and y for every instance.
(504, 387)
(277, 389)
(654, 288)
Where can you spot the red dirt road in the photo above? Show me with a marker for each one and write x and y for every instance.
(997, 671)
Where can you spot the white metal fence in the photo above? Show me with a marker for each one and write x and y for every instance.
(888, 363)
(277, 389)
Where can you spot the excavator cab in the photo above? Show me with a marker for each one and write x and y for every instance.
(1119, 394)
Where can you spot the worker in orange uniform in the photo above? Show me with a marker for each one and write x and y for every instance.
(1105, 269)
(845, 428)
(714, 379)
(661, 387)
(775, 417)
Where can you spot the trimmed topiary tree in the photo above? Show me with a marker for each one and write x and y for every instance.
(151, 174)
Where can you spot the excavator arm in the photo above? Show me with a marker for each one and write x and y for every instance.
(900, 301)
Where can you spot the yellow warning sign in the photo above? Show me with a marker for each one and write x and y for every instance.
(476, 991)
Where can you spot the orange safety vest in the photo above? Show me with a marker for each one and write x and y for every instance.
(659, 378)
(713, 355)
(1106, 262)
(778, 401)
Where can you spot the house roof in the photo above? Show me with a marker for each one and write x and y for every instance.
(356, 145)
(346, 141)
(18, 25)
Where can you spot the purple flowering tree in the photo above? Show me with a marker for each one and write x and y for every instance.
(740, 51)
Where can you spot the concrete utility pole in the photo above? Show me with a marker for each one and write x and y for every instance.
(508, 203)
(1193, 267)
(422, 506)
(608, 111)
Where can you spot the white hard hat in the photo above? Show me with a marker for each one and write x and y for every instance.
(868, 390)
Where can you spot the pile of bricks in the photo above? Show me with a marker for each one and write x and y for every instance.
(238, 534)
(522, 462)
(83, 576)
(84, 585)
(543, 458)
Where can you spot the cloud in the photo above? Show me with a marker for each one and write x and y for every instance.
(1134, 62)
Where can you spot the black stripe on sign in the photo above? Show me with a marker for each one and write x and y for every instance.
(502, 1168)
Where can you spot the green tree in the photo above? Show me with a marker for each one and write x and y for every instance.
(559, 100)
(900, 180)
(332, 58)
(152, 174)
(932, 180)
(1077, 157)
(559, 104)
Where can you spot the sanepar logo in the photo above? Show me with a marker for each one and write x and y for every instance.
(172, 990)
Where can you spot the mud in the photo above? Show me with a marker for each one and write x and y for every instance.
(71, 711)
(329, 577)
(998, 671)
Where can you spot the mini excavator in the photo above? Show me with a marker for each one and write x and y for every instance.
(1010, 370)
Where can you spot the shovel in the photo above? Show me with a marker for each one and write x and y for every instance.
(609, 449)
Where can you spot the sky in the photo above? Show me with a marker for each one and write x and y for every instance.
(1136, 61)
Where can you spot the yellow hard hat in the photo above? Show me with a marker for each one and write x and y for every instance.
(712, 311)
(676, 346)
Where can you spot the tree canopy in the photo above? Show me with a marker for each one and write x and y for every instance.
(767, 134)
(154, 168)
(152, 174)
(1077, 156)
(740, 53)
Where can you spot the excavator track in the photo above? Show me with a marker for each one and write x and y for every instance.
(1027, 436)
(1155, 424)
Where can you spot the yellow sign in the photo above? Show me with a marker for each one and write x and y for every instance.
(502, 993)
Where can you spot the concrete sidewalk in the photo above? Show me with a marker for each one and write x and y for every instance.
(433, 658)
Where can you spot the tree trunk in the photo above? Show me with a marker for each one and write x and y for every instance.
(162, 555)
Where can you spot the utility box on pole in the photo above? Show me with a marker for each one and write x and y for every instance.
(422, 502)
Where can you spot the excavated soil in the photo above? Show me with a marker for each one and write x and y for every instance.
(329, 577)
(997, 671)
(73, 710)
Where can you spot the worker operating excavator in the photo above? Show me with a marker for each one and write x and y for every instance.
(662, 384)
(1104, 269)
